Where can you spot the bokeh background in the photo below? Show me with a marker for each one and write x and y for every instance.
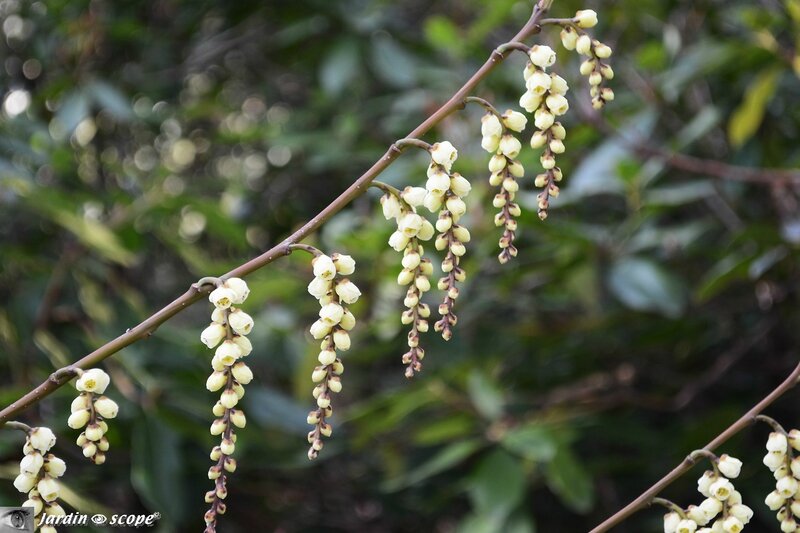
(146, 144)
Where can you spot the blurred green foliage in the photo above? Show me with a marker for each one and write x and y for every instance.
(146, 144)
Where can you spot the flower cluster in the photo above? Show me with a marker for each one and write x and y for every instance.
(499, 140)
(445, 193)
(227, 333)
(545, 97)
(90, 410)
(786, 468)
(334, 293)
(722, 505)
(38, 472)
(573, 38)
(412, 229)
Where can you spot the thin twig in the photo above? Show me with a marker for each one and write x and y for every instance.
(151, 324)
(644, 499)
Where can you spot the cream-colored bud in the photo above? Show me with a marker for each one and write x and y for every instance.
(460, 185)
(704, 483)
(569, 37)
(54, 466)
(607, 94)
(510, 185)
(410, 223)
(331, 314)
(530, 100)
(24, 482)
(405, 277)
(106, 407)
(497, 163)
(559, 85)
(491, 126)
(426, 267)
(324, 267)
(228, 352)
(239, 287)
(732, 525)
(42, 438)
(218, 316)
(48, 488)
(671, 521)
(391, 206)
(557, 104)
(319, 287)
(240, 322)
(218, 426)
(516, 169)
(742, 512)
(410, 261)
(237, 418)
(774, 501)
(345, 264)
(538, 139)
(244, 345)
(730, 467)
(542, 56)
(458, 249)
(587, 67)
(228, 398)
(786, 486)
(777, 442)
(37, 505)
(461, 233)
(543, 119)
(426, 231)
(216, 381)
(788, 525)
(558, 131)
(78, 419)
(456, 206)
(538, 84)
(499, 201)
(794, 439)
(414, 196)
(31, 464)
(54, 509)
(93, 380)
(348, 320)
(697, 515)
(319, 374)
(341, 340)
(795, 508)
(586, 18)
(584, 45)
(319, 329)
(398, 241)
(510, 146)
(81, 402)
(721, 489)
(323, 402)
(227, 447)
(422, 283)
(218, 409)
(774, 460)
(438, 184)
(557, 147)
(335, 384)
(347, 291)
(327, 357)
(444, 153)
(514, 210)
(514, 120)
(94, 432)
(213, 334)
(595, 78)
(222, 297)
(601, 50)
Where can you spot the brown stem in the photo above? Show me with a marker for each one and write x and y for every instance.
(748, 418)
(304, 248)
(148, 326)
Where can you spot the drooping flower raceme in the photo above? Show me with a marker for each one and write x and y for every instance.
(785, 466)
(412, 230)
(499, 140)
(721, 511)
(334, 292)
(445, 193)
(38, 472)
(227, 334)
(90, 410)
(545, 97)
(574, 38)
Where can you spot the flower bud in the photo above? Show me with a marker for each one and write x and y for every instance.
(323, 267)
(106, 407)
(398, 241)
(48, 488)
(491, 126)
(229, 398)
(78, 419)
(530, 100)
(786, 486)
(93, 380)
(510, 146)
(31, 464)
(320, 329)
(55, 466)
(569, 37)
(557, 104)
(538, 84)
(426, 231)
(341, 339)
(327, 357)
(345, 265)
(730, 467)
(542, 56)
(586, 18)
(671, 521)
(241, 322)
(347, 291)
(41, 439)
(216, 381)
(584, 45)
(777, 442)
(543, 119)
(213, 334)
(391, 206)
(222, 297)
(587, 67)
(460, 185)
(444, 153)
(82, 401)
(227, 447)
(237, 418)
(239, 287)
(94, 432)
(244, 345)
(742, 512)
(704, 483)
(228, 352)
(514, 120)
(774, 501)
(456, 206)
(602, 51)
(774, 460)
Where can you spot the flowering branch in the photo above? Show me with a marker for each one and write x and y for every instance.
(147, 327)
(647, 497)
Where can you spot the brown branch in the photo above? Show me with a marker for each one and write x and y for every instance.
(695, 165)
(646, 498)
(195, 293)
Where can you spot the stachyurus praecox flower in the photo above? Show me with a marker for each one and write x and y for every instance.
(334, 293)
(412, 231)
(38, 474)
(785, 466)
(91, 409)
(445, 193)
(498, 139)
(227, 336)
